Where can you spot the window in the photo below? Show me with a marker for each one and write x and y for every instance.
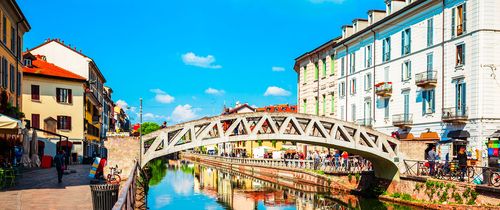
(342, 112)
(352, 61)
(353, 112)
(353, 86)
(323, 62)
(35, 120)
(368, 81)
(316, 71)
(428, 105)
(460, 97)
(430, 32)
(12, 79)
(342, 66)
(332, 108)
(332, 65)
(27, 62)
(386, 108)
(305, 74)
(368, 56)
(317, 105)
(460, 55)
(430, 62)
(64, 95)
(18, 83)
(406, 42)
(342, 89)
(35, 92)
(304, 106)
(458, 20)
(5, 70)
(406, 71)
(324, 104)
(13, 40)
(4, 30)
(63, 122)
(386, 49)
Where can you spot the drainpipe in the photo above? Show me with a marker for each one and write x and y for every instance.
(374, 73)
(346, 78)
(442, 56)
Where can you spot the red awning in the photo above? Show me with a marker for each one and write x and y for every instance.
(64, 144)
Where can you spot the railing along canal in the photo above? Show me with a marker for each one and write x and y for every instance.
(127, 195)
(354, 164)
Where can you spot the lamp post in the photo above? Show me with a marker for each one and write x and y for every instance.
(140, 133)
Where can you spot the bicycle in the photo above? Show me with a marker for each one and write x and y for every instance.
(114, 175)
(495, 179)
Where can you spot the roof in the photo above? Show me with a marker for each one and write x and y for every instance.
(236, 109)
(43, 68)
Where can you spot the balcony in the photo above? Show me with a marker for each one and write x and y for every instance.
(383, 89)
(402, 120)
(455, 115)
(95, 119)
(426, 79)
(368, 122)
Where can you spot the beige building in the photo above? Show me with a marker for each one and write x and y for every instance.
(53, 101)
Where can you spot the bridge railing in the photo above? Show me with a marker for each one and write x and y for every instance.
(127, 195)
(354, 164)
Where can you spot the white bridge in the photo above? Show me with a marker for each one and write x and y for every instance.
(381, 149)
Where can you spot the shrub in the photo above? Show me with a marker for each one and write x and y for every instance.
(406, 197)
(396, 195)
(458, 198)
(357, 176)
(349, 177)
(444, 197)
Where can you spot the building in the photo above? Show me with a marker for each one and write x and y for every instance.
(278, 108)
(53, 100)
(68, 57)
(13, 25)
(121, 120)
(107, 113)
(421, 70)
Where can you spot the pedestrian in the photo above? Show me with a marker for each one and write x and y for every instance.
(345, 157)
(431, 157)
(164, 125)
(462, 162)
(59, 161)
(316, 159)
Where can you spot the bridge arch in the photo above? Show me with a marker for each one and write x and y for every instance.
(381, 149)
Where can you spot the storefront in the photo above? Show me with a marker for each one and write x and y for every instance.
(11, 141)
(493, 145)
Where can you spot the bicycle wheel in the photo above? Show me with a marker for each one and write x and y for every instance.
(495, 179)
(471, 172)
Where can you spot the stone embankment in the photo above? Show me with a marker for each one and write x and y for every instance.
(122, 151)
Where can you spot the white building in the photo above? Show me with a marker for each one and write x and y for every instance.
(420, 68)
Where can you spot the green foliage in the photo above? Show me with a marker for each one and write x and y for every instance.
(457, 198)
(406, 197)
(444, 197)
(186, 169)
(349, 177)
(357, 176)
(396, 195)
(149, 127)
(158, 171)
(273, 143)
(259, 142)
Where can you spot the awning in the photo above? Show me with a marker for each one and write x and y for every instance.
(458, 134)
(64, 144)
(9, 125)
(406, 136)
(496, 134)
(429, 136)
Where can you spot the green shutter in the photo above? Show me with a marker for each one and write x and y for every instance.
(453, 22)
(316, 71)
(332, 64)
(333, 103)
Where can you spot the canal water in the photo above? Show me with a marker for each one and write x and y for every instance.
(184, 186)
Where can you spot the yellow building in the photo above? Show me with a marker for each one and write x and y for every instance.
(53, 101)
(13, 25)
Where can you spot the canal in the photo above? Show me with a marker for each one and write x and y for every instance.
(186, 185)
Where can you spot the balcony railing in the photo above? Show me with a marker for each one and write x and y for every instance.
(426, 79)
(402, 120)
(383, 89)
(368, 122)
(455, 115)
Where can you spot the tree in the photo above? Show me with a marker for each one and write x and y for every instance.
(149, 127)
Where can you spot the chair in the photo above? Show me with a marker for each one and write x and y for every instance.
(2, 178)
(9, 177)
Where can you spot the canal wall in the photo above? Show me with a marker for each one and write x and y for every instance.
(122, 151)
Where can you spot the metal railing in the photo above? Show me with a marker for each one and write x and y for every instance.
(426, 77)
(453, 113)
(354, 164)
(383, 88)
(402, 119)
(127, 195)
(365, 122)
(452, 172)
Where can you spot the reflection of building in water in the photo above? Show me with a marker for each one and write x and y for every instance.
(224, 188)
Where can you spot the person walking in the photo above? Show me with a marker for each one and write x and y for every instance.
(431, 157)
(59, 161)
(462, 162)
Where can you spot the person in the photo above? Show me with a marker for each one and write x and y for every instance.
(316, 160)
(59, 162)
(337, 159)
(345, 157)
(462, 162)
(164, 125)
(431, 157)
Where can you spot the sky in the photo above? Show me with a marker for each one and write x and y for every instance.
(187, 58)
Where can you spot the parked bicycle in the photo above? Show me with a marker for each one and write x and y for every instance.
(114, 175)
(495, 178)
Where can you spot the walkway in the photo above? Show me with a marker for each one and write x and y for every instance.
(38, 189)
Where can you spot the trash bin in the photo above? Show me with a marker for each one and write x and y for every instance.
(104, 196)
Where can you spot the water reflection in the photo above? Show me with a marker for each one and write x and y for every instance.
(195, 186)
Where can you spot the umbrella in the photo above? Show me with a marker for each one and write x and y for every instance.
(25, 159)
(34, 150)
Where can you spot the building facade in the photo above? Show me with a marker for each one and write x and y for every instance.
(278, 108)
(53, 100)
(422, 71)
(68, 57)
(13, 25)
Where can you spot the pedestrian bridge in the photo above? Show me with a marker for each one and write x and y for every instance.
(381, 149)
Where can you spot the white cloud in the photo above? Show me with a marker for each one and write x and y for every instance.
(183, 113)
(327, 1)
(278, 68)
(162, 96)
(204, 62)
(276, 91)
(213, 91)
(122, 103)
(153, 117)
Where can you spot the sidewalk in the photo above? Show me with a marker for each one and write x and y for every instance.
(38, 189)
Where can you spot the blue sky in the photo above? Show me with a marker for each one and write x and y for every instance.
(186, 58)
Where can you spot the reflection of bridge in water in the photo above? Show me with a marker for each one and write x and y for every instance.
(231, 186)
(381, 150)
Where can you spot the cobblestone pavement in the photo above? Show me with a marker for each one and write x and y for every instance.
(38, 189)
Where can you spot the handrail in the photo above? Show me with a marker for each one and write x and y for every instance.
(126, 199)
